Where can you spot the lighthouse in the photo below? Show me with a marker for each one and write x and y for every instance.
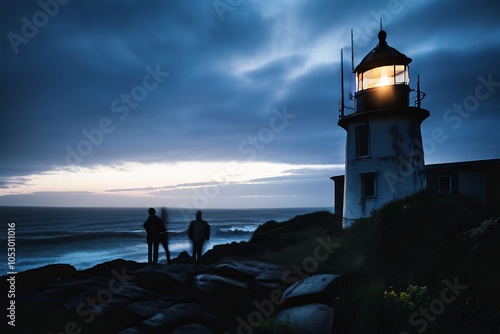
(384, 158)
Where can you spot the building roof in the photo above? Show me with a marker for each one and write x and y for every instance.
(382, 55)
(449, 165)
(464, 164)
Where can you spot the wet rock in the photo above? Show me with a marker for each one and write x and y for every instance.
(146, 309)
(250, 270)
(218, 292)
(35, 278)
(126, 297)
(192, 329)
(181, 315)
(106, 268)
(219, 252)
(310, 318)
(322, 288)
(183, 258)
(41, 317)
(217, 284)
(160, 282)
(133, 330)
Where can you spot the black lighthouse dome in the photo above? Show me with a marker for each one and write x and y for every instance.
(382, 78)
(382, 55)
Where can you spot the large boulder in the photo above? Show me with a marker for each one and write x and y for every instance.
(307, 305)
(181, 315)
(322, 288)
(310, 318)
(249, 270)
(192, 329)
(38, 277)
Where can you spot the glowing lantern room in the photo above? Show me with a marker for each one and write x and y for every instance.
(382, 78)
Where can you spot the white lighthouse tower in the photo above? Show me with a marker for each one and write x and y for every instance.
(384, 157)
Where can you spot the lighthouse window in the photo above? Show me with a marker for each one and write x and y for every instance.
(368, 185)
(362, 141)
(383, 76)
(379, 76)
(401, 72)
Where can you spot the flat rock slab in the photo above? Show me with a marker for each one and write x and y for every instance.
(216, 283)
(318, 288)
(132, 330)
(160, 282)
(243, 269)
(181, 315)
(146, 309)
(168, 268)
(38, 277)
(192, 329)
(310, 318)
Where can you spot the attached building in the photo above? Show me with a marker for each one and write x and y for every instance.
(478, 179)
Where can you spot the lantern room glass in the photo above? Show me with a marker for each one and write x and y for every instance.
(383, 76)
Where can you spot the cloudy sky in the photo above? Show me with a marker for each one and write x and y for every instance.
(226, 103)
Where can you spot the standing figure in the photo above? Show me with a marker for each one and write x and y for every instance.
(153, 227)
(198, 232)
(164, 233)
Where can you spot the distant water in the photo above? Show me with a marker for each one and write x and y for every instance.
(84, 237)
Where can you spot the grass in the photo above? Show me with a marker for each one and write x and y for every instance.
(407, 247)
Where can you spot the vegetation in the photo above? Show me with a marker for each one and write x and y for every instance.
(427, 263)
(273, 325)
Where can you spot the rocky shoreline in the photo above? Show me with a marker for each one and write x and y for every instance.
(233, 295)
(233, 291)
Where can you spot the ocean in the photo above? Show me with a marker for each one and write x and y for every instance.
(84, 237)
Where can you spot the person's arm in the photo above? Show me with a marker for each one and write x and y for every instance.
(208, 231)
(190, 231)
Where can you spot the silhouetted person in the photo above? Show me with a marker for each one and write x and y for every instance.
(164, 233)
(153, 227)
(198, 232)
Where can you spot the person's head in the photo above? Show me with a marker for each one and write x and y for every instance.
(151, 211)
(198, 215)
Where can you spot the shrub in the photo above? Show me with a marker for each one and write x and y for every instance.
(400, 306)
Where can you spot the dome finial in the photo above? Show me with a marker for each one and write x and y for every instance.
(382, 35)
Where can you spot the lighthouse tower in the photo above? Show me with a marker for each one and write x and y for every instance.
(384, 157)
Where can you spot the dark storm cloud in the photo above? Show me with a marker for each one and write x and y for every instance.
(219, 91)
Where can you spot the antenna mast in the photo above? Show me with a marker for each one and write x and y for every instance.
(352, 52)
(342, 106)
(418, 91)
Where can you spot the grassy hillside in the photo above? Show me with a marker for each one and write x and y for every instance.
(424, 264)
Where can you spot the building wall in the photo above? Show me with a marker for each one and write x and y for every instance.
(473, 183)
(396, 159)
(479, 179)
(338, 194)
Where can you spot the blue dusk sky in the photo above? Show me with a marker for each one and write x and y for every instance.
(225, 103)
